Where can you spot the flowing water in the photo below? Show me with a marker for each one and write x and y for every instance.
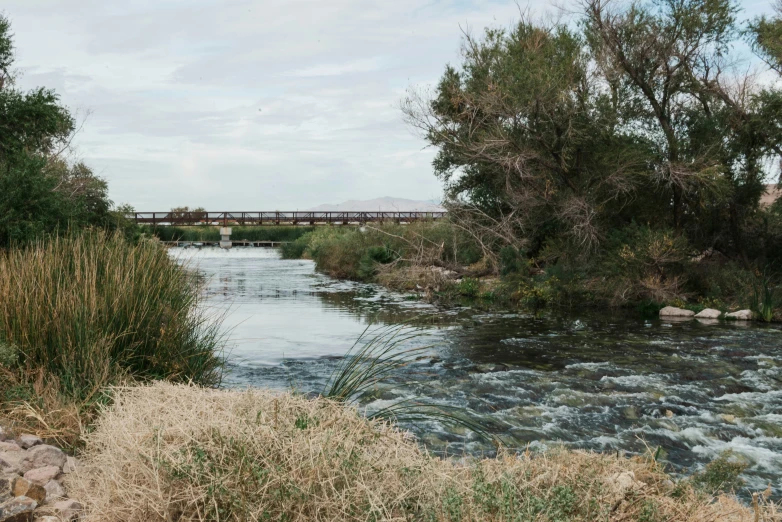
(597, 381)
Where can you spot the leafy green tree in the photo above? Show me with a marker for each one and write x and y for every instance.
(40, 192)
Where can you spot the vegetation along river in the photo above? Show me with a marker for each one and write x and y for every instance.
(597, 381)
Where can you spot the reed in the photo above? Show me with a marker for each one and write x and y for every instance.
(89, 310)
(377, 355)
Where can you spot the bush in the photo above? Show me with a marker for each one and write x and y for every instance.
(91, 310)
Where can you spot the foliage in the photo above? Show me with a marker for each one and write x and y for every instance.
(91, 310)
(623, 149)
(720, 475)
(40, 192)
(357, 254)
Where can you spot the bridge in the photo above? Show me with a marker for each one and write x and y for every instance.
(276, 218)
(225, 220)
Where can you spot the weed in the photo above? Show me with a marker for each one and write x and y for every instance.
(720, 475)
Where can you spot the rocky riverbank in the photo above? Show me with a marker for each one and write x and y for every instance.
(32, 476)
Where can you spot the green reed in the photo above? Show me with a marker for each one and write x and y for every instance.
(91, 310)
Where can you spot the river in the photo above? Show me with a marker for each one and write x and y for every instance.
(601, 381)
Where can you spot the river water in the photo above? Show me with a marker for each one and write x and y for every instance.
(600, 381)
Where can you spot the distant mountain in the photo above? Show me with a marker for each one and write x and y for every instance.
(380, 205)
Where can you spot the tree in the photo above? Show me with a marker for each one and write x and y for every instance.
(527, 133)
(41, 192)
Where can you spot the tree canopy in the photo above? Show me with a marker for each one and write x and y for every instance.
(41, 192)
(642, 114)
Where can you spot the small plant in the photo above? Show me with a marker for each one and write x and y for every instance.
(9, 355)
(720, 475)
(468, 287)
(762, 301)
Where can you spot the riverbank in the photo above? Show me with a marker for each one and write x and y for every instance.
(201, 462)
(189, 453)
(440, 262)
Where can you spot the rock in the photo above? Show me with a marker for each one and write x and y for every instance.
(621, 482)
(741, 315)
(71, 465)
(4, 434)
(42, 475)
(40, 456)
(68, 509)
(24, 488)
(27, 441)
(54, 491)
(672, 311)
(708, 313)
(18, 509)
(10, 446)
(6, 487)
(7, 467)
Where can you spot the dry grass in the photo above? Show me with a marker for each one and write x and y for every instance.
(180, 453)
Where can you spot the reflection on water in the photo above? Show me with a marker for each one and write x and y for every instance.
(595, 381)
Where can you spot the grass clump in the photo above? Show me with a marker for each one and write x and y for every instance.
(89, 310)
(176, 452)
(721, 474)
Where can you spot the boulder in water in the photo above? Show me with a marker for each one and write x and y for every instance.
(741, 315)
(708, 313)
(672, 311)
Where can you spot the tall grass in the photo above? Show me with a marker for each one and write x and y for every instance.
(89, 310)
(763, 297)
(377, 355)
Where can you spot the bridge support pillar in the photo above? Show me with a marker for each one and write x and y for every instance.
(225, 237)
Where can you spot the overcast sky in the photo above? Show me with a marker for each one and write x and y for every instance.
(249, 104)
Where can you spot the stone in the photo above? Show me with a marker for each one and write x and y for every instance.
(71, 465)
(6, 487)
(42, 475)
(708, 313)
(54, 491)
(623, 481)
(43, 455)
(24, 488)
(7, 467)
(741, 315)
(672, 311)
(4, 434)
(9, 446)
(68, 509)
(27, 441)
(18, 509)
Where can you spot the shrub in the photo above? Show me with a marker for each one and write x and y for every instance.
(90, 310)
(468, 287)
(720, 475)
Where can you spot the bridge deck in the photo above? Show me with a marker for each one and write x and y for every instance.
(278, 218)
